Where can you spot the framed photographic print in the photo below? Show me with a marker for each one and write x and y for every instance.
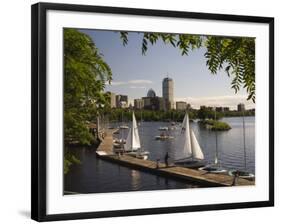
(139, 111)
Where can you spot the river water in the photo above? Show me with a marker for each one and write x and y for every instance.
(94, 175)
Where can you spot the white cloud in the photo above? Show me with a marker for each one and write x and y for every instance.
(136, 82)
(113, 83)
(140, 81)
(137, 87)
(218, 101)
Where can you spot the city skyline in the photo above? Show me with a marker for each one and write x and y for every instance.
(134, 74)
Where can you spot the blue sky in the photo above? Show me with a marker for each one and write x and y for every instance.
(134, 74)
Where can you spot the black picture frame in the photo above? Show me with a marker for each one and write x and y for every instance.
(39, 122)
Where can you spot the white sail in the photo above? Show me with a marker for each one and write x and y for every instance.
(133, 139)
(184, 141)
(196, 149)
(135, 134)
(183, 125)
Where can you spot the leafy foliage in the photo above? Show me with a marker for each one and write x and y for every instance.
(69, 160)
(85, 75)
(236, 55)
(215, 125)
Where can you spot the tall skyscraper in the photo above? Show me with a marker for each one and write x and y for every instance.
(168, 93)
(112, 99)
(241, 107)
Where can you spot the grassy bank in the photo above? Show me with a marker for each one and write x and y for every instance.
(215, 125)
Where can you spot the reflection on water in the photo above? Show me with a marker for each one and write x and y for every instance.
(136, 178)
(97, 176)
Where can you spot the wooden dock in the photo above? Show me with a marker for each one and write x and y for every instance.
(202, 178)
(106, 145)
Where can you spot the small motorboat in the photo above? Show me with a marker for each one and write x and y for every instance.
(117, 145)
(140, 154)
(163, 128)
(242, 174)
(120, 141)
(123, 127)
(163, 136)
(213, 169)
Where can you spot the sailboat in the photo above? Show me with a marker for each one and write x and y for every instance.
(191, 154)
(216, 167)
(133, 146)
(243, 174)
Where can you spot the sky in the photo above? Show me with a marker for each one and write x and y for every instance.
(134, 74)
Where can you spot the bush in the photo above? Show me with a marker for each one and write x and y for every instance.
(215, 125)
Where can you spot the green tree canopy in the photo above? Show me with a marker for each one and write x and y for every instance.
(85, 75)
(234, 55)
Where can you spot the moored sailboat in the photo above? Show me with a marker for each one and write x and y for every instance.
(243, 173)
(216, 166)
(190, 153)
(133, 145)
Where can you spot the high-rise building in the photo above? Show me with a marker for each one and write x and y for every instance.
(112, 99)
(168, 93)
(121, 101)
(241, 107)
(181, 105)
(138, 103)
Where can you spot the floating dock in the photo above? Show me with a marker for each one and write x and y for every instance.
(203, 178)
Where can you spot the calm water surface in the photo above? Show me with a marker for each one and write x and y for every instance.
(98, 176)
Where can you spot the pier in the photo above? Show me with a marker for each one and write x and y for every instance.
(203, 178)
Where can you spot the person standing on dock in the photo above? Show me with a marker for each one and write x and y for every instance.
(235, 179)
(166, 159)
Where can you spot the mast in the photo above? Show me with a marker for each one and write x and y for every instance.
(244, 143)
(141, 132)
(216, 134)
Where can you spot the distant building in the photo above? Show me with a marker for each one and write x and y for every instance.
(151, 93)
(219, 109)
(138, 103)
(241, 107)
(206, 108)
(152, 102)
(225, 109)
(181, 105)
(222, 109)
(168, 93)
(121, 101)
(112, 99)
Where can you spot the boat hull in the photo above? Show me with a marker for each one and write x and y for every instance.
(194, 164)
(242, 174)
(139, 155)
(213, 169)
(163, 137)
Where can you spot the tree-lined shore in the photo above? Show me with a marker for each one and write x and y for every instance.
(124, 115)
